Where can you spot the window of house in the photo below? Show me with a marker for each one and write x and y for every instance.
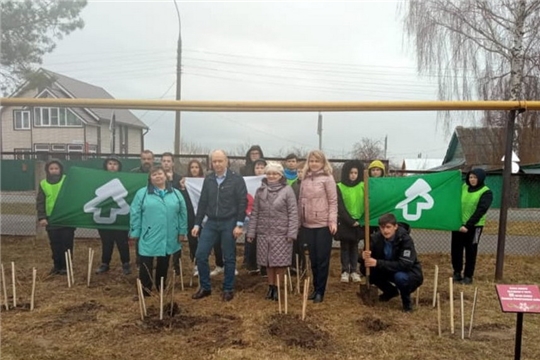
(42, 151)
(75, 151)
(22, 154)
(59, 148)
(21, 119)
(55, 117)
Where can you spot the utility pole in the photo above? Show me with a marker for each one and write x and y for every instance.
(319, 130)
(385, 145)
(177, 123)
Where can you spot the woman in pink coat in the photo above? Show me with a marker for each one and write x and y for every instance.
(274, 221)
(318, 216)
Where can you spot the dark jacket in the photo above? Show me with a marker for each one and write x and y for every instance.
(247, 169)
(346, 230)
(404, 256)
(40, 200)
(485, 200)
(175, 183)
(223, 202)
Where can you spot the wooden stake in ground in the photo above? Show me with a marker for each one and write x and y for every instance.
(172, 293)
(181, 274)
(305, 296)
(141, 297)
(14, 284)
(435, 284)
(438, 300)
(161, 299)
(32, 297)
(451, 298)
(417, 296)
(285, 292)
(67, 269)
(472, 311)
(71, 267)
(278, 293)
(4, 288)
(297, 274)
(90, 262)
(290, 280)
(462, 317)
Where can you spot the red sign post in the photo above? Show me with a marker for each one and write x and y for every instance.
(519, 299)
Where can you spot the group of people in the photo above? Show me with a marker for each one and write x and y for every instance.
(298, 208)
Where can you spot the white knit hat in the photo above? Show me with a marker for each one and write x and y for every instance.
(274, 167)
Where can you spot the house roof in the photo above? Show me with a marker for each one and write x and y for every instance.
(79, 89)
(484, 147)
(420, 164)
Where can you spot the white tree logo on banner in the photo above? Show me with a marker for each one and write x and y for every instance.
(419, 188)
(113, 189)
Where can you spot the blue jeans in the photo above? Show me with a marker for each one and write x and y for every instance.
(217, 231)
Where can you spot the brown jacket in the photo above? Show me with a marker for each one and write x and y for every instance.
(317, 203)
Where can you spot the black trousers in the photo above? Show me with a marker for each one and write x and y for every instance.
(319, 241)
(250, 255)
(193, 242)
(467, 242)
(146, 268)
(61, 240)
(349, 256)
(108, 239)
(298, 249)
(176, 261)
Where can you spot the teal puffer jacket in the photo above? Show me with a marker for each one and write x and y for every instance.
(158, 222)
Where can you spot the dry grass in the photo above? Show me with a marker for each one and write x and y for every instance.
(17, 209)
(102, 322)
(524, 228)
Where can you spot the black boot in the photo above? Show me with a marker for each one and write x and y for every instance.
(270, 292)
(275, 296)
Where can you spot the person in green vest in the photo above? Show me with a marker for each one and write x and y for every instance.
(60, 238)
(476, 198)
(350, 210)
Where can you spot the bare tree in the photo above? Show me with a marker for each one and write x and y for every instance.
(299, 151)
(368, 149)
(478, 49)
(192, 148)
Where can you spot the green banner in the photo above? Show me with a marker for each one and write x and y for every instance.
(96, 199)
(431, 201)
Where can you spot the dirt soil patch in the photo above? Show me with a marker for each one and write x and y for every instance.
(295, 332)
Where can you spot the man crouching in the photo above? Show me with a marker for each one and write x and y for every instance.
(395, 268)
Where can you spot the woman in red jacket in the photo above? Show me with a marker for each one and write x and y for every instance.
(318, 216)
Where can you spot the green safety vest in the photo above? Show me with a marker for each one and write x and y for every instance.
(51, 193)
(291, 181)
(469, 202)
(353, 198)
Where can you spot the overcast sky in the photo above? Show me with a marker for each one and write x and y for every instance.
(258, 51)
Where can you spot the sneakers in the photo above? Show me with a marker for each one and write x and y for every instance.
(217, 270)
(344, 277)
(195, 271)
(355, 277)
(385, 297)
(457, 278)
(407, 303)
(126, 268)
(102, 268)
(467, 281)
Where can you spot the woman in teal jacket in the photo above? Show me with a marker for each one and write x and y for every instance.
(158, 221)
